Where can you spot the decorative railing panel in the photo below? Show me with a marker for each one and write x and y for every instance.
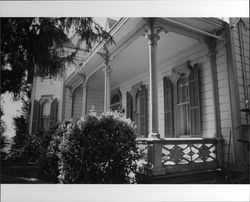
(176, 154)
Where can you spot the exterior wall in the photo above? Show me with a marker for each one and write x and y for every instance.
(67, 105)
(197, 54)
(224, 102)
(50, 86)
(96, 98)
(240, 60)
(77, 102)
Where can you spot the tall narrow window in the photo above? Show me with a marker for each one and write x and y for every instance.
(182, 103)
(45, 113)
(136, 108)
(116, 100)
(183, 106)
(168, 107)
(195, 117)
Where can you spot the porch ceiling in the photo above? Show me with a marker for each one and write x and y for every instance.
(133, 61)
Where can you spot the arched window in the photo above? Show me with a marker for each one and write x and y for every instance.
(136, 108)
(116, 100)
(45, 114)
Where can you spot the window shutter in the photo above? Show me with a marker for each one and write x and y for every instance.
(194, 101)
(53, 113)
(168, 106)
(143, 112)
(36, 114)
(129, 107)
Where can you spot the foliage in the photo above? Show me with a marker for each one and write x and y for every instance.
(99, 150)
(48, 159)
(3, 139)
(27, 43)
(22, 138)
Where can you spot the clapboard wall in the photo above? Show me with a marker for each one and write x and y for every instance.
(50, 86)
(242, 56)
(196, 54)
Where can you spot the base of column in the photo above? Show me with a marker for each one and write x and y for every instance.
(154, 135)
(156, 171)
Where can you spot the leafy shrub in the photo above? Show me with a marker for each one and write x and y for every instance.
(99, 150)
(48, 160)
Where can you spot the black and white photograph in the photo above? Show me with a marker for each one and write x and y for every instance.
(113, 101)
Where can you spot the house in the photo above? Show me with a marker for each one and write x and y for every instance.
(184, 81)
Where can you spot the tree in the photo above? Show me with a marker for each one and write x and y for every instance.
(27, 43)
(3, 138)
(21, 139)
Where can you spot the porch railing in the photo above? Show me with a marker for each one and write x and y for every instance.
(172, 155)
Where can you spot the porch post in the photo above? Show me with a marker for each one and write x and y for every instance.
(84, 93)
(212, 43)
(107, 73)
(70, 100)
(153, 37)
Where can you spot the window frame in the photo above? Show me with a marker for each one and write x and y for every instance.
(178, 73)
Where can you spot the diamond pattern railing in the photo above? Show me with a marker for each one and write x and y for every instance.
(178, 154)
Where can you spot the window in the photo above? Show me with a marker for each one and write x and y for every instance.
(44, 113)
(182, 103)
(136, 108)
(116, 100)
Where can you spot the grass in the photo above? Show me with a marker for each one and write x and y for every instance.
(19, 173)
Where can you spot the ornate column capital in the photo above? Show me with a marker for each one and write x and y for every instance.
(107, 70)
(152, 32)
(211, 44)
(70, 90)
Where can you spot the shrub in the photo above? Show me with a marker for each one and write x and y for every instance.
(99, 150)
(48, 160)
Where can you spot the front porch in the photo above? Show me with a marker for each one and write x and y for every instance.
(167, 77)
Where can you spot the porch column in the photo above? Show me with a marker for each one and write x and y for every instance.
(211, 43)
(153, 37)
(70, 100)
(84, 93)
(107, 73)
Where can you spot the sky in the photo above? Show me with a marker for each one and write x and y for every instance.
(10, 109)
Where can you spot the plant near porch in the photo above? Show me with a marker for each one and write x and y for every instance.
(99, 149)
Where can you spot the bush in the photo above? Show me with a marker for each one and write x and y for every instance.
(99, 150)
(48, 160)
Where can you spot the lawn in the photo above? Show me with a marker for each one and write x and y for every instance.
(19, 173)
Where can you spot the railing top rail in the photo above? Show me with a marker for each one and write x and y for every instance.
(176, 140)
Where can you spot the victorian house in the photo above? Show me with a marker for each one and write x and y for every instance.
(183, 81)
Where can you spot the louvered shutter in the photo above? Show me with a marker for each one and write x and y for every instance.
(53, 113)
(168, 107)
(36, 113)
(129, 106)
(195, 125)
(143, 112)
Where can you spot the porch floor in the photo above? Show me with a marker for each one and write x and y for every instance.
(200, 177)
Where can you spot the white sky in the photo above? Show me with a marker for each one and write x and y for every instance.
(10, 110)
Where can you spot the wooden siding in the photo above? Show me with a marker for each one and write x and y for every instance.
(95, 98)
(224, 102)
(239, 65)
(50, 86)
(77, 102)
(197, 54)
(67, 105)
